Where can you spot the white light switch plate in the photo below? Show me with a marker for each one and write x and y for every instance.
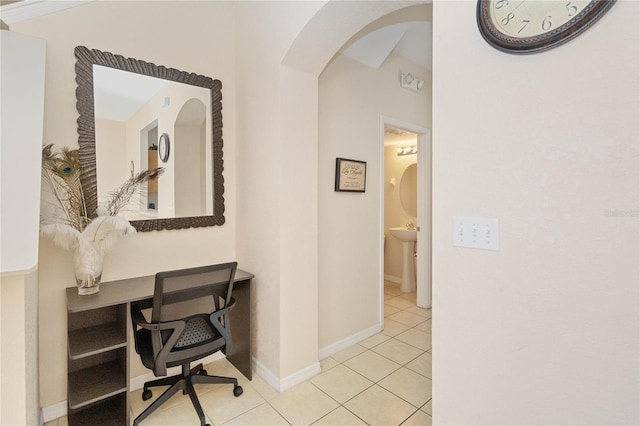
(476, 232)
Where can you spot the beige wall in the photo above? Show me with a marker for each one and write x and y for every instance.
(181, 48)
(19, 349)
(277, 171)
(111, 150)
(544, 331)
(352, 99)
(189, 160)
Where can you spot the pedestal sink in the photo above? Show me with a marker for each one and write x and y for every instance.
(408, 238)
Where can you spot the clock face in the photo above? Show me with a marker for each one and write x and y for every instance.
(528, 26)
(523, 19)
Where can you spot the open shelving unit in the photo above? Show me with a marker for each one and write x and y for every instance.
(97, 366)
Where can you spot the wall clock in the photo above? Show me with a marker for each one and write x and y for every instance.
(531, 26)
(164, 147)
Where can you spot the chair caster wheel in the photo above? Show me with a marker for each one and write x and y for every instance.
(237, 390)
(147, 394)
(202, 372)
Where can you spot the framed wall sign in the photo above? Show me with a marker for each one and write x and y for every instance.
(351, 175)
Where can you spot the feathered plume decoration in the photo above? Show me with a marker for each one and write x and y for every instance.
(61, 171)
(62, 235)
(120, 198)
(105, 231)
(67, 221)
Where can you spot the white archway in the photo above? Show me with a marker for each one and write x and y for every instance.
(314, 47)
(331, 27)
(278, 164)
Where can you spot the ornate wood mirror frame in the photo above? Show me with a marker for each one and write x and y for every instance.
(85, 59)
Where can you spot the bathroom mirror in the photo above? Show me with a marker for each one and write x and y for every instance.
(126, 107)
(409, 190)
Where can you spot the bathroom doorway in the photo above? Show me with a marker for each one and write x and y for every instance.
(406, 199)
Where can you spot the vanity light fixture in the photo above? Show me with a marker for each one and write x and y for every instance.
(407, 150)
(408, 81)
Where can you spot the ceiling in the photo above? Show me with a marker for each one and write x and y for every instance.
(119, 94)
(411, 40)
(18, 10)
(406, 33)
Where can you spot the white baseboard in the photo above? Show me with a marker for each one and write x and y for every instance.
(393, 278)
(288, 382)
(54, 411)
(58, 410)
(267, 375)
(336, 347)
(299, 376)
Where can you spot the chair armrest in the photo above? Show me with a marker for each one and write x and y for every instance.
(160, 350)
(224, 311)
(222, 322)
(138, 319)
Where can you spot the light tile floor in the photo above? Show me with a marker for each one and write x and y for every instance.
(384, 380)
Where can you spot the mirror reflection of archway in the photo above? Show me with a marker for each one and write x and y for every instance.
(190, 159)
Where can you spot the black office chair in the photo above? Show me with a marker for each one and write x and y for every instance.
(167, 342)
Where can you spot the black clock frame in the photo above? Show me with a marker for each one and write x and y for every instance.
(164, 147)
(539, 43)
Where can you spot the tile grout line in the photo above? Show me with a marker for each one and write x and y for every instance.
(377, 383)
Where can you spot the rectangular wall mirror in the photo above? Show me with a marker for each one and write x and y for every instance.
(135, 115)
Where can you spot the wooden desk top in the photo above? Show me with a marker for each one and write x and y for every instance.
(122, 291)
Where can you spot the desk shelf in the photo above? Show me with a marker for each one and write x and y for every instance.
(93, 340)
(101, 414)
(96, 383)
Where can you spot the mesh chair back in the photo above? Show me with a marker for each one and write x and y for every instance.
(182, 285)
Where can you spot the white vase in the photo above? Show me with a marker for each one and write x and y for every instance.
(89, 246)
(88, 269)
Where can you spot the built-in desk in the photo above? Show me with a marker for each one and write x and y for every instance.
(98, 337)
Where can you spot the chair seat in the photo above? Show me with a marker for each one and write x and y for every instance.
(197, 331)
